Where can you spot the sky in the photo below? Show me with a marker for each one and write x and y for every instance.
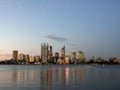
(91, 26)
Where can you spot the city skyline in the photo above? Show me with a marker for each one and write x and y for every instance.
(47, 53)
(91, 26)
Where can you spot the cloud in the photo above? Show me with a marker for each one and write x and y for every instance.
(56, 38)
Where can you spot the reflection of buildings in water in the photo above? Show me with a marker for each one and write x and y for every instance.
(50, 75)
(14, 77)
(67, 75)
(46, 79)
(73, 75)
(56, 75)
(81, 75)
(62, 71)
(77, 75)
(63, 75)
(43, 79)
(25, 77)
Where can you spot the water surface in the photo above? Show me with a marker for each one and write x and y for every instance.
(59, 77)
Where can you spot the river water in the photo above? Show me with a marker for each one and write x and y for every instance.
(60, 77)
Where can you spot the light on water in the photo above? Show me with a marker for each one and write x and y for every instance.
(59, 77)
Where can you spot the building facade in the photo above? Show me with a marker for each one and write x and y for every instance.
(44, 52)
(31, 59)
(50, 51)
(73, 57)
(67, 59)
(81, 57)
(63, 52)
(27, 58)
(15, 55)
(37, 58)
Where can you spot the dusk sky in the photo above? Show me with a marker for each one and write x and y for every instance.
(91, 26)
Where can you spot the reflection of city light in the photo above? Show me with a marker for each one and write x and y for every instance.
(19, 76)
(73, 76)
(82, 74)
(50, 73)
(67, 75)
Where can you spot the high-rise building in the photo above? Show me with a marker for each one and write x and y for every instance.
(63, 52)
(44, 52)
(50, 53)
(81, 57)
(15, 55)
(74, 57)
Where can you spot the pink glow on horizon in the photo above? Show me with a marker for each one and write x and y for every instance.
(5, 54)
(5, 57)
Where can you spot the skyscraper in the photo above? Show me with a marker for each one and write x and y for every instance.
(81, 57)
(15, 55)
(50, 53)
(74, 57)
(63, 52)
(44, 52)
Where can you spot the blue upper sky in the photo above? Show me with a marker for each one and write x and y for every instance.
(91, 26)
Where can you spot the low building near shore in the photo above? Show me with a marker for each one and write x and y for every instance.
(118, 60)
(67, 59)
(32, 59)
(60, 61)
